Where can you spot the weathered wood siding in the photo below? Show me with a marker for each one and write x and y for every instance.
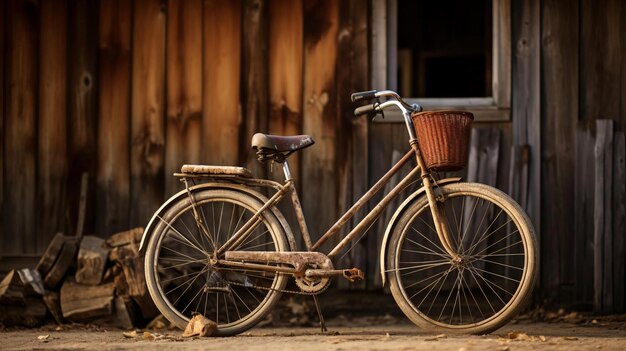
(127, 91)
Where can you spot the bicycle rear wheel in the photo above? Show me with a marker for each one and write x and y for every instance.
(489, 284)
(183, 282)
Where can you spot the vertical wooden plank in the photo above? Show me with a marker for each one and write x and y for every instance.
(559, 68)
(619, 220)
(351, 159)
(600, 58)
(52, 121)
(286, 73)
(184, 88)
(285, 58)
(2, 114)
(20, 134)
(254, 71)
(321, 20)
(359, 153)
(113, 177)
(526, 108)
(221, 80)
(82, 106)
(583, 219)
(602, 216)
(147, 110)
(482, 166)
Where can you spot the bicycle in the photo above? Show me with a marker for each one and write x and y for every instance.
(459, 257)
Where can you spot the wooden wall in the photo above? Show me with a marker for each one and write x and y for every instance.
(127, 91)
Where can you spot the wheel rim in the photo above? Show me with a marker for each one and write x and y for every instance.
(186, 280)
(479, 287)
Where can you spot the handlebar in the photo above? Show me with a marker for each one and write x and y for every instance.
(393, 99)
(377, 107)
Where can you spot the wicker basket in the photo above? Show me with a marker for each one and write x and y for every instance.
(443, 138)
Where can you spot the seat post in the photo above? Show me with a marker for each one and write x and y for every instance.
(286, 171)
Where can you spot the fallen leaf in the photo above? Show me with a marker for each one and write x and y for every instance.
(436, 337)
(199, 325)
(542, 338)
(130, 335)
(43, 337)
(519, 336)
(570, 338)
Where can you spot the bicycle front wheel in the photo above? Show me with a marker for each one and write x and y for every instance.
(179, 274)
(491, 281)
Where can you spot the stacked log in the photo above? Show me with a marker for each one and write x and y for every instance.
(81, 280)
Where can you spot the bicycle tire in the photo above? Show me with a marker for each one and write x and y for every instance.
(178, 220)
(413, 283)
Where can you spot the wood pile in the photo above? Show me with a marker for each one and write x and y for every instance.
(81, 280)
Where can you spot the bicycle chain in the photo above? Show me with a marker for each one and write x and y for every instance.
(297, 292)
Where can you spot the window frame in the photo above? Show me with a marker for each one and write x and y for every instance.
(495, 108)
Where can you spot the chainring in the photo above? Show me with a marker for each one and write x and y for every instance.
(312, 285)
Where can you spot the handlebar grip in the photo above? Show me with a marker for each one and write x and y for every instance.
(365, 110)
(363, 95)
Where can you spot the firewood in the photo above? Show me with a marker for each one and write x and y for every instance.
(92, 259)
(50, 255)
(33, 284)
(29, 314)
(11, 289)
(134, 284)
(62, 264)
(83, 302)
(53, 303)
(125, 312)
(129, 237)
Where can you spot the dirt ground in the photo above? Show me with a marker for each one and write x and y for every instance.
(376, 333)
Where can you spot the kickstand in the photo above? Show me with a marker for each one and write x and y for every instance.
(319, 313)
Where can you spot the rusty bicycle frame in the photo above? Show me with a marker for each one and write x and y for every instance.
(289, 186)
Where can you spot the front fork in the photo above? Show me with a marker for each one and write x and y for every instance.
(438, 218)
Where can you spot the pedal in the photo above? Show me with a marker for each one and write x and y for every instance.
(353, 275)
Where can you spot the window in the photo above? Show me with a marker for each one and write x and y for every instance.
(443, 58)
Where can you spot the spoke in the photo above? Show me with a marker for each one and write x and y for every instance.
(448, 298)
(186, 244)
(190, 284)
(483, 237)
(498, 263)
(254, 297)
(180, 253)
(470, 267)
(255, 246)
(457, 298)
(204, 227)
(202, 240)
(470, 216)
(178, 277)
(423, 280)
(435, 245)
(249, 241)
(481, 220)
(437, 281)
(497, 275)
(230, 225)
(226, 308)
(438, 290)
(182, 264)
(426, 248)
(177, 232)
(423, 252)
(240, 299)
(219, 226)
(481, 290)
(469, 309)
(417, 270)
(426, 264)
(490, 246)
(457, 221)
(192, 300)
(473, 298)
